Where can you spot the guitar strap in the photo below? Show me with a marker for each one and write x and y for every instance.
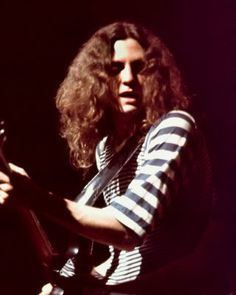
(99, 182)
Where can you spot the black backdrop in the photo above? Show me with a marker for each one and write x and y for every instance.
(38, 41)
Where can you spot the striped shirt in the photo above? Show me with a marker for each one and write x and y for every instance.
(162, 195)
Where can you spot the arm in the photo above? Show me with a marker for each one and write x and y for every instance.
(93, 223)
(156, 184)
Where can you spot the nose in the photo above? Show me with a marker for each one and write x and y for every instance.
(127, 75)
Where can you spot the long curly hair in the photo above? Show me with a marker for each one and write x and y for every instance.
(85, 98)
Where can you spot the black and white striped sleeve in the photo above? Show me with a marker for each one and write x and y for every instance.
(157, 176)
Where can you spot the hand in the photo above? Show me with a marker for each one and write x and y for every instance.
(46, 289)
(6, 186)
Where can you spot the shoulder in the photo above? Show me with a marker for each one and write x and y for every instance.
(175, 118)
(99, 152)
(173, 127)
(176, 121)
(101, 145)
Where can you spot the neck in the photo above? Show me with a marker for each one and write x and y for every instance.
(125, 126)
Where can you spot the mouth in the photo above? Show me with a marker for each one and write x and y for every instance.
(129, 94)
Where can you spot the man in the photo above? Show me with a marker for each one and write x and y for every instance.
(123, 83)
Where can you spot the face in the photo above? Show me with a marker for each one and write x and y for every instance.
(127, 64)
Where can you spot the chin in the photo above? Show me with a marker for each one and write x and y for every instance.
(128, 109)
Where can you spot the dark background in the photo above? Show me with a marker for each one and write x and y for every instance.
(39, 40)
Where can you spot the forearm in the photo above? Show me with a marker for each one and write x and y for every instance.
(99, 224)
(94, 223)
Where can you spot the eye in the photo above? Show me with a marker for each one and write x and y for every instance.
(115, 68)
(138, 66)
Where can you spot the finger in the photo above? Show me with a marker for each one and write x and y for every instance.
(6, 187)
(3, 197)
(17, 169)
(46, 290)
(4, 177)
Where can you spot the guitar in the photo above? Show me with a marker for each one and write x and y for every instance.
(88, 196)
(50, 259)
